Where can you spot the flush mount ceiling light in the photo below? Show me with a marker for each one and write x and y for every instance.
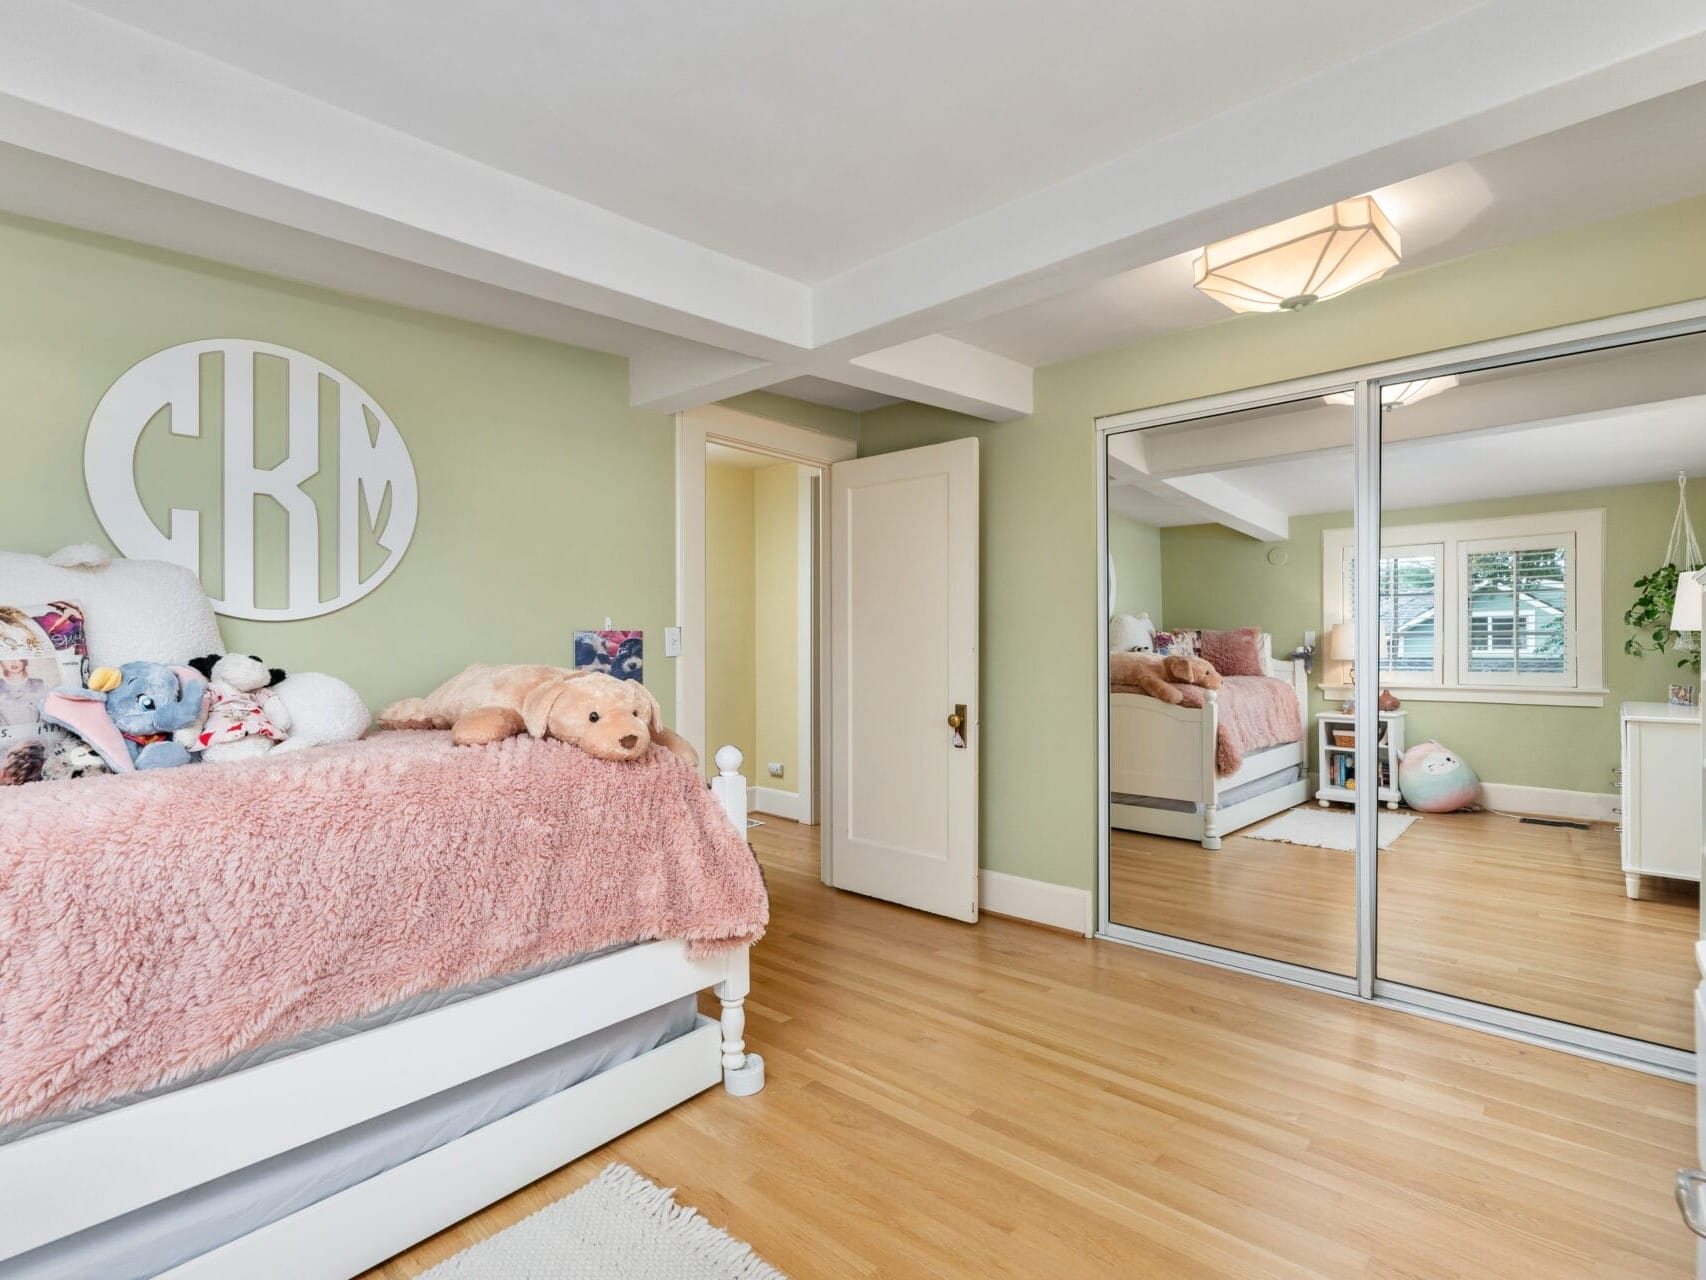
(1299, 261)
(1393, 394)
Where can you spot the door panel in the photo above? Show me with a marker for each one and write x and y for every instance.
(904, 621)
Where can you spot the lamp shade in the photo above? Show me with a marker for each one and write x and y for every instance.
(1301, 260)
(1342, 642)
(1685, 614)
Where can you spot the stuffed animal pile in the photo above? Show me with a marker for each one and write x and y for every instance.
(152, 715)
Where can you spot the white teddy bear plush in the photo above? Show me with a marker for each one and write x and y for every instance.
(244, 717)
(254, 709)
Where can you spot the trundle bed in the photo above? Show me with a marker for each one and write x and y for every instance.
(328, 1151)
(1162, 763)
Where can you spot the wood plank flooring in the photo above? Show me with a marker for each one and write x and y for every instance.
(1003, 1100)
(1477, 905)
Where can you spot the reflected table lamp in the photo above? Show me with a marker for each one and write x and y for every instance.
(1342, 646)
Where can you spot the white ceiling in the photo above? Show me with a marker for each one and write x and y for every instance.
(1643, 156)
(804, 138)
(851, 203)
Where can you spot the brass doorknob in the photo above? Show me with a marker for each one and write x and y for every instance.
(955, 721)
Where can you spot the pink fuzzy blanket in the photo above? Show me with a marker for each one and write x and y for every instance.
(155, 924)
(1256, 712)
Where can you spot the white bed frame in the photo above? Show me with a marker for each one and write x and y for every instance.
(1164, 752)
(63, 1180)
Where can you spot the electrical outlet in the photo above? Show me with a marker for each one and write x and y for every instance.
(1308, 639)
(672, 642)
(774, 768)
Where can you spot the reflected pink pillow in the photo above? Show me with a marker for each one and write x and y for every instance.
(1234, 653)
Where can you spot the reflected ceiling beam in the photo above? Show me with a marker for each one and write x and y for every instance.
(1234, 507)
(1209, 499)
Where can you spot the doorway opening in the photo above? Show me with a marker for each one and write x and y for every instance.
(761, 624)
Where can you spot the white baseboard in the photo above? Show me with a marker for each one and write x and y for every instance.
(1550, 802)
(778, 804)
(1038, 901)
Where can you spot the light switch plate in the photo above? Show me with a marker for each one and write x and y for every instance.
(672, 642)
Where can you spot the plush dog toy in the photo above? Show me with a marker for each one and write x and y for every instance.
(1155, 675)
(245, 718)
(605, 717)
(128, 714)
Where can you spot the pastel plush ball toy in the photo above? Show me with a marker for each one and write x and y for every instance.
(1434, 779)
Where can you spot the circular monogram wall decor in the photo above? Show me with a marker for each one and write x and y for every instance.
(367, 516)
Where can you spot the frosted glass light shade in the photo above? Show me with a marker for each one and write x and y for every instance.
(1685, 614)
(1301, 260)
(1393, 394)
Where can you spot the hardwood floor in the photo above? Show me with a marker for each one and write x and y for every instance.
(1003, 1100)
(1477, 905)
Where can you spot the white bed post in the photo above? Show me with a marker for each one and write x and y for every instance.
(1210, 738)
(743, 1072)
(729, 787)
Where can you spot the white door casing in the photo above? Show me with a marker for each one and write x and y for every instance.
(903, 820)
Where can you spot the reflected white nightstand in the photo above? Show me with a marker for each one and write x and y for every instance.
(1334, 759)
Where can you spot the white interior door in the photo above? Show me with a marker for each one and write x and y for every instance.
(904, 628)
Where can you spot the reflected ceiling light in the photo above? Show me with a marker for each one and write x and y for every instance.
(1393, 394)
(1301, 260)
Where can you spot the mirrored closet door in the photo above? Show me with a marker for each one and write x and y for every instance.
(1540, 666)
(1231, 778)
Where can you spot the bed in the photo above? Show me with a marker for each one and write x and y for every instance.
(327, 1144)
(1167, 765)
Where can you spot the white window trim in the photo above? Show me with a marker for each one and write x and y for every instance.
(1399, 679)
(1586, 583)
(1565, 679)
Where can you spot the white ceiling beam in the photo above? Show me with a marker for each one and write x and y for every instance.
(944, 372)
(686, 376)
(1497, 74)
(84, 88)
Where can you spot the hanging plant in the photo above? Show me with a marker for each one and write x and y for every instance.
(1655, 601)
(1650, 615)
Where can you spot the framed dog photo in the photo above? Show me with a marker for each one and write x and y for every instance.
(618, 653)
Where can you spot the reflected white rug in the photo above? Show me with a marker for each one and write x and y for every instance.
(1329, 828)
(617, 1227)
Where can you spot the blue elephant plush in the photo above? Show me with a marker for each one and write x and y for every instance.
(128, 714)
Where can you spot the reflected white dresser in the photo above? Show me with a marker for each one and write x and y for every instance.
(1661, 793)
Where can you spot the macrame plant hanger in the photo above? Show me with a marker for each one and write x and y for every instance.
(1684, 548)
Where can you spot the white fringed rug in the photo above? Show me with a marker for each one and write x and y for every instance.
(1329, 828)
(617, 1227)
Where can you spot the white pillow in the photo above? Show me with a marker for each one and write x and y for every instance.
(1127, 633)
(134, 610)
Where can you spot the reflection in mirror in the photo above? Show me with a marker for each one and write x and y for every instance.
(1533, 529)
(1222, 830)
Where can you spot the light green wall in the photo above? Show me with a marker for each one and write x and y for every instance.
(546, 502)
(730, 696)
(776, 624)
(1135, 549)
(1216, 578)
(1038, 546)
